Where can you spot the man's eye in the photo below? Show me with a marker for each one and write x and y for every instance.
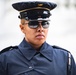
(45, 23)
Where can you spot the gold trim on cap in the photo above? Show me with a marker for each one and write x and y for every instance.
(34, 8)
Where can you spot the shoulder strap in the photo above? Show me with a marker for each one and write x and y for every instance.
(7, 49)
(57, 47)
(69, 59)
(69, 64)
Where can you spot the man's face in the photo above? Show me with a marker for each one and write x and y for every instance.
(35, 36)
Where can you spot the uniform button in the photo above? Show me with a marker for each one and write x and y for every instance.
(30, 67)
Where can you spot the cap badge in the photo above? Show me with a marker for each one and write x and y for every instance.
(40, 5)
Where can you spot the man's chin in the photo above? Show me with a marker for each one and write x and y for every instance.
(40, 42)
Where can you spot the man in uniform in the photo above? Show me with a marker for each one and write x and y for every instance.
(33, 56)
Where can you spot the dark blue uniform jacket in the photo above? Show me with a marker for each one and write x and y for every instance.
(25, 60)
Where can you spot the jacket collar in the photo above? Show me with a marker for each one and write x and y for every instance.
(28, 51)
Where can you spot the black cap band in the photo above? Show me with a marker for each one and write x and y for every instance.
(35, 14)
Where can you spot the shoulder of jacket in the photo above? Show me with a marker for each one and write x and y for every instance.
(69, 56)
(8, 49)
(57, 47)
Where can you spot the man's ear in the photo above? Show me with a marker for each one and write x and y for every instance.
(22, 27)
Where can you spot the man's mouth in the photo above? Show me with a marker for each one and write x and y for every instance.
(40, 36)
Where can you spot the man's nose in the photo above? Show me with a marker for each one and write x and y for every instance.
(40, 28)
